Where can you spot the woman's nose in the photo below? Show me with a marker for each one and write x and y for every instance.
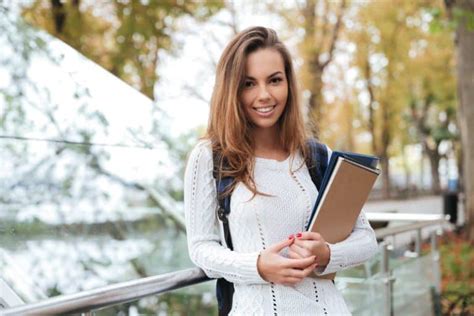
(263, 93)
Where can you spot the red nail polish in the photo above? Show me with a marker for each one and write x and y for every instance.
(291, 237)
(299, 235)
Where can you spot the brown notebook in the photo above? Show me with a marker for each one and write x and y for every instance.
(344, 196)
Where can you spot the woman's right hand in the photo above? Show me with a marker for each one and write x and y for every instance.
(275, 268)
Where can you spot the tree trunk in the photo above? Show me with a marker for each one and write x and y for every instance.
(319, 39)
(434, 158)
(370, 90)
(465, 73)
(315, 103)
(406, 167)
(386, 139)
(386, 190)
(59, 15)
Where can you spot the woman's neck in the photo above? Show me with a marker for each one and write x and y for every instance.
(267, 144)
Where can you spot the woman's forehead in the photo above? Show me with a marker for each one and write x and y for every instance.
(263, 63)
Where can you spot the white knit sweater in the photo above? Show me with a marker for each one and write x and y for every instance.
(257, 224)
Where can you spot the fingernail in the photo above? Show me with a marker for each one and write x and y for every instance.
(291, 236)
(299, 235)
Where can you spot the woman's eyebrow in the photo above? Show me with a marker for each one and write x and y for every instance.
(273, 74)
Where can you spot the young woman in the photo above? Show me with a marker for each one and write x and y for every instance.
(256, 127)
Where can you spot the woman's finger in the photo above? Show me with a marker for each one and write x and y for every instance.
(301, 249)
(309, 269)
(298, 263)
(294, 255)
(281, 245)
(294, 273)
(301, 273)
(308, 236)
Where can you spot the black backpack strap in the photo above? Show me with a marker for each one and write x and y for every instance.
(223, 209)
(224, 288)
(318, 161)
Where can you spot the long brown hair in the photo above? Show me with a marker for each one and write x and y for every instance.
(229, 129)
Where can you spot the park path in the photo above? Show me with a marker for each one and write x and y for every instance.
(421, 205)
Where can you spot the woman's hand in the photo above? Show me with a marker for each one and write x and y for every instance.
(308, 244)
(273, 267)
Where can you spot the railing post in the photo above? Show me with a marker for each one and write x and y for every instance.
(436, 273)
(418, 242)
(387, 280)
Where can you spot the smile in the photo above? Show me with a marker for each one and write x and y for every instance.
(266, 109)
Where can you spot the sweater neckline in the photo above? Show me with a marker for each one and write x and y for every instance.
(275, 164)
(270, 159)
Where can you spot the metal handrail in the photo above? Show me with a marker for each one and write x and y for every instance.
(123, 292)
(395, 230)
(110, 295)
(403, 217)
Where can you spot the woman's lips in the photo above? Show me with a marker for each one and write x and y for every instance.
(265, 111)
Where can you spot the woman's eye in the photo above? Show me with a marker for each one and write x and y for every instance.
(248, 84)
(276, 80)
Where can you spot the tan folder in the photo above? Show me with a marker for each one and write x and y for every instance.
(346, 193)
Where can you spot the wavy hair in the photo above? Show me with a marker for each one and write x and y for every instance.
(228, 127)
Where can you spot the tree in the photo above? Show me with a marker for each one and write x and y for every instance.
(321, 24)
(383, 42)
(431, 94)
(125, 37)
(462, 14)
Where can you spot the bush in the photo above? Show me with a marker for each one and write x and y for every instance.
(457, 284)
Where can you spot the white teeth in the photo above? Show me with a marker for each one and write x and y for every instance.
(264, 110)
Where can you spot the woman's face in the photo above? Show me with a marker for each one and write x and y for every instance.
(265, 90)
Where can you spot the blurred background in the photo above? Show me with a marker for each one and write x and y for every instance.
(101, 101)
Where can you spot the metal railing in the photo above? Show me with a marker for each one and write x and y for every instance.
(87, 301)
(423, 221)
(110, 295)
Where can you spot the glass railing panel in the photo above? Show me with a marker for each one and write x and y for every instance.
(362, 288)
(194, 300)
(414, 280)
(364, 296)
(90, 187)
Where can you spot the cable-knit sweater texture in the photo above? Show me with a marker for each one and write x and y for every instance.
(258, 223)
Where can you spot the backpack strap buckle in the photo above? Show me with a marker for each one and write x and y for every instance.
(221, 214)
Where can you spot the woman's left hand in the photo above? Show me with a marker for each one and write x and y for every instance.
(308, 244)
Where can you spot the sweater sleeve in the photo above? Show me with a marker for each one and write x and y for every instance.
(360, 246)
(357, 248)
(200, 203)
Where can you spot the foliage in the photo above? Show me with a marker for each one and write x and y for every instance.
(404, 87)
(440, 21)
(320, 23)
(125, 37)
(457, 286)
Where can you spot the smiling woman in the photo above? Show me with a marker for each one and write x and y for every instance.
(265, 90)
(257, 143)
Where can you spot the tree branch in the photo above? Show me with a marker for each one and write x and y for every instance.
(335, 34)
